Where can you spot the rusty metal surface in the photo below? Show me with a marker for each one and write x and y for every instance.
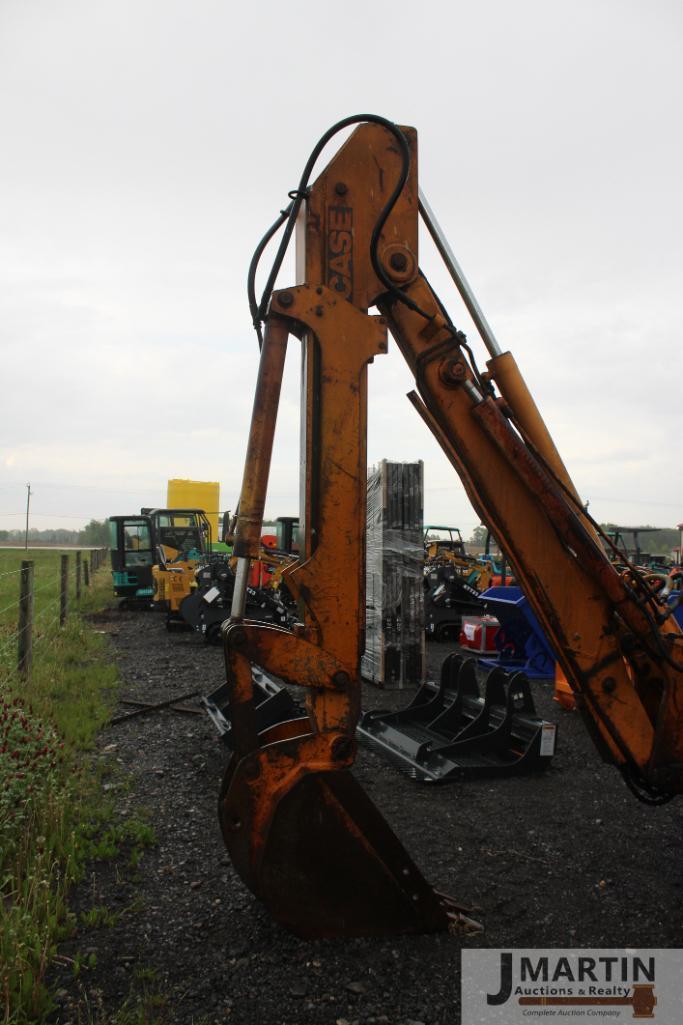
(316, 851)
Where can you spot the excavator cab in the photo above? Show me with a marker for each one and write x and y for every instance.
(442, 540)
(131, 546)
(287, 534)
(182, 533)
(301, 831)
(182, 541)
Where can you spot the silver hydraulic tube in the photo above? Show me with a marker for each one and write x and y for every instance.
(239, 594)
(473, 392)
(456, 272)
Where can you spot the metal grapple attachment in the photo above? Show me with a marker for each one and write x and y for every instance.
(463, 728)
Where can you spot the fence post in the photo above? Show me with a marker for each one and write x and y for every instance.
(93, 560)
(86, 573)
(25, 654)
(64, 590)
(78, 576)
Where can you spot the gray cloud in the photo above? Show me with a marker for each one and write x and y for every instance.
(147, 146)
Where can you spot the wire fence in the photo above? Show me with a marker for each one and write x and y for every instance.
(10, 573)
(36, 604)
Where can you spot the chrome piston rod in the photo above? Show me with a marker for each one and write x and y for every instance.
(239, 594)
(456, 272)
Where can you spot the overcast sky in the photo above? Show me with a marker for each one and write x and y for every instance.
(145, 146)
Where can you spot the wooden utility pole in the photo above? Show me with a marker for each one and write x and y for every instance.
(25, 652)
(28, 503)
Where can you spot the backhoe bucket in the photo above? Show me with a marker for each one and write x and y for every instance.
(455, 730)
(314, 848)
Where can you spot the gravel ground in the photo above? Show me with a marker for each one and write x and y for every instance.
(566, 858)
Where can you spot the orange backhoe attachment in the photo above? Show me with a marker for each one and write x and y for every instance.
(301, 832)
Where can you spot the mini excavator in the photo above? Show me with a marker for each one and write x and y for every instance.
(183, 541)
(131, 548)
(301, 831)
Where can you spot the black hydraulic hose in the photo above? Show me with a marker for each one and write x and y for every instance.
(289, 215)
(253, 266)
(650, 598)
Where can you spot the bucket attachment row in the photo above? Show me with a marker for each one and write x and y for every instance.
(463, 728)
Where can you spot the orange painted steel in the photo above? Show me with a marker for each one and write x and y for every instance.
(260, 448)
(583, 604)
(300, 830)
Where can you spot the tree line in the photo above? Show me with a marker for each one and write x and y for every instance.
(659, 542)
(95, 533)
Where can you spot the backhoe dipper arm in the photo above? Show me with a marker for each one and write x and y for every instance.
(301, 831)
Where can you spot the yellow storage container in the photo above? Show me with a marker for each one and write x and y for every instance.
(196, 494)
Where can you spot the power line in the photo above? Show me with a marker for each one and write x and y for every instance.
(56, 516)
(144, 489)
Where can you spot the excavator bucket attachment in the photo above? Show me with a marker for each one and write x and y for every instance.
(455, 730)
(315, 850)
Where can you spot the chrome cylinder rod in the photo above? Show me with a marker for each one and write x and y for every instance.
(239, 594)
(456, 272)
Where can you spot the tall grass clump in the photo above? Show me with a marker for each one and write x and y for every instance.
(50, 801)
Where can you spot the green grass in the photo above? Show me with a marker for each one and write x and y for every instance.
(146, 1004)
(99, 917)
(47, 589)
(52, 817)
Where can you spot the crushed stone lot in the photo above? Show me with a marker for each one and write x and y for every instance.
(564, 858)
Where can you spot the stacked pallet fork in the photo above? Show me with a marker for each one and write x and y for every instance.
(394, 634)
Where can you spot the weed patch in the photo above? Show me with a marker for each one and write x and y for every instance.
(52, 818)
